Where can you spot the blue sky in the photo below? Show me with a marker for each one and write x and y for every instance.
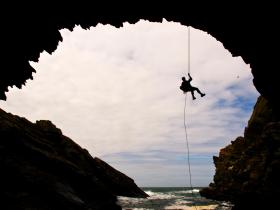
(116, 93)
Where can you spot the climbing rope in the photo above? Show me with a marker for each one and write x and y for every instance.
(187, 143)
(185, 124)
(189, 50)
(188, 151)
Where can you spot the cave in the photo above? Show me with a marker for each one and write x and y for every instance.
(241, 30)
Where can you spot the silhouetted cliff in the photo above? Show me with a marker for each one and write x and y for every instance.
(40, 168)
(248, 170)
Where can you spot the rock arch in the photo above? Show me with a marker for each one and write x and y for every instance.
(32, 30)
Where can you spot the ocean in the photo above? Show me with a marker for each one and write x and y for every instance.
(171, 198)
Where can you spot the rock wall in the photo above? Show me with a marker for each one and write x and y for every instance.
(248, 170)
(40, 168)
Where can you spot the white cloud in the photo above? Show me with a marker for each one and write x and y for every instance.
(116, 91)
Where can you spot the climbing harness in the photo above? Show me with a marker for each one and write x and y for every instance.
(185, 124)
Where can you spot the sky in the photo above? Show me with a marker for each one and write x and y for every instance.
(115, 91)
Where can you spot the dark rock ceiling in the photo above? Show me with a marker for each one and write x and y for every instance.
(245, 31)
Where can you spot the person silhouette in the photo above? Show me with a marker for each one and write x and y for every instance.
(187, 87)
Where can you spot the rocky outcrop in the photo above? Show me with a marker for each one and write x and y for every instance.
(248, 170)
(40, 168)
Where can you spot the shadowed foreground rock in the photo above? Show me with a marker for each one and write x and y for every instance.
(248, 170)
(42, 169)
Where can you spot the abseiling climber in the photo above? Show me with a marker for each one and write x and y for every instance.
(187, 87)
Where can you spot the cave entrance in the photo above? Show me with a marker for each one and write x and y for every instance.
(115, 91)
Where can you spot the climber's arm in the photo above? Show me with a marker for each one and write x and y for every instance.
(190, 78)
